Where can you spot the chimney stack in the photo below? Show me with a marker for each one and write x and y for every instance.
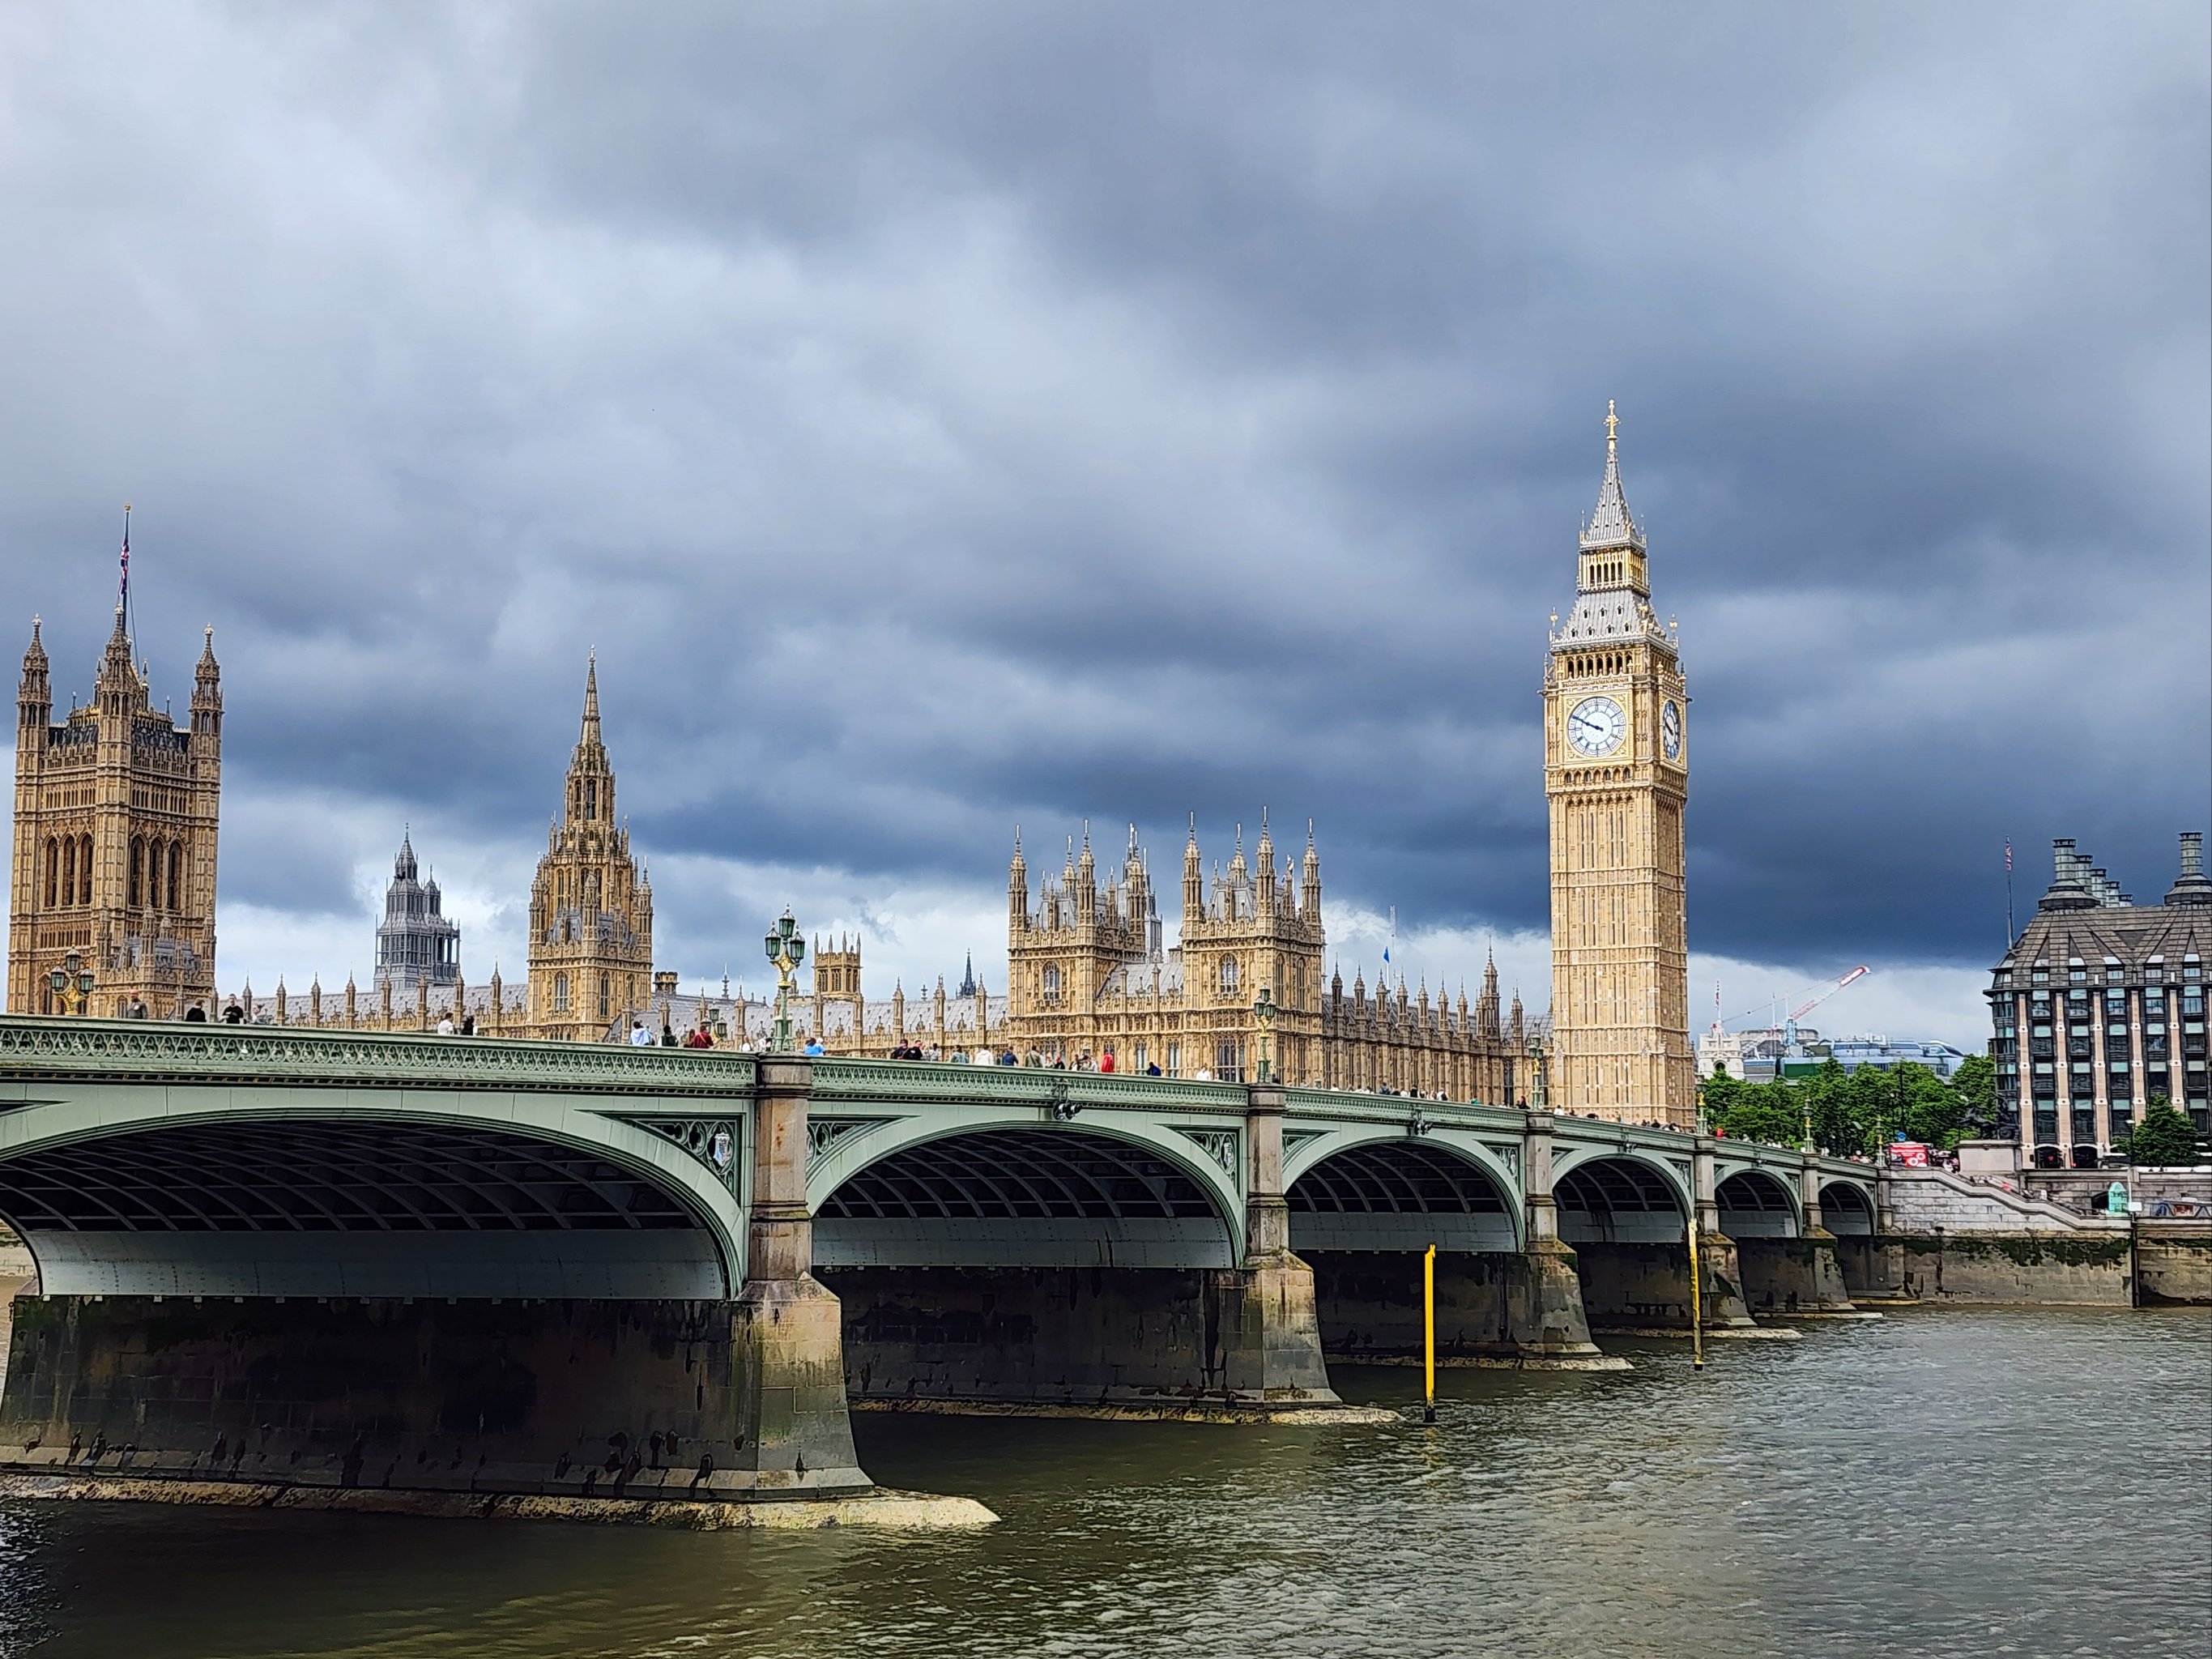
(2193, 887)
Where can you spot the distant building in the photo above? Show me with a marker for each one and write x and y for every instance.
(116, 816)
(1883, 1055)
(415, 944)
(2099, 1008)
(1750, 1056)
(591, 905)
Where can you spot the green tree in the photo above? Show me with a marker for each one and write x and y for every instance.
(1717, 1093)
(2163, 1137)
(1932, 1109)
(1841, 1107)
(1763, 1111)
(1975, 1082)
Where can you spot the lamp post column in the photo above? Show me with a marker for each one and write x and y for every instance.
(794, 1435)
(1274, 1355)
(1546, 1322)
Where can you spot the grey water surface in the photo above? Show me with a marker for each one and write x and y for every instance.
(1940, 1482)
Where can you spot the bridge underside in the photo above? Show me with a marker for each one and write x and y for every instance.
(358, 1301)
(1050, 1267)
(1365, 1218)
(1012, 1198)
(353, 1208)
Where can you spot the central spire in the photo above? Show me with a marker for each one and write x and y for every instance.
(591, 730)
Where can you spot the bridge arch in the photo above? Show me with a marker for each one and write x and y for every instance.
(1758, 1204)
(1620, 1199)
(1393, 1192)
(1845, 1209)
(1025, 1193)
(303, 1197)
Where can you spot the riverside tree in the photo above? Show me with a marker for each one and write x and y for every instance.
(2163, 1137)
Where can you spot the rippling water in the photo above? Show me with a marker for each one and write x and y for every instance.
(1946, 1482)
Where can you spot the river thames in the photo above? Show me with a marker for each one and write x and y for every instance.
(1940, 1482)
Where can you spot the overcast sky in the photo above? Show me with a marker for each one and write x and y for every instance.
(944, 417)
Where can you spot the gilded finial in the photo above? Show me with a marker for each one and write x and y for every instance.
(1611, 423)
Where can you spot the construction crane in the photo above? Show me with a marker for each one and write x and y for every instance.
(1820, 993)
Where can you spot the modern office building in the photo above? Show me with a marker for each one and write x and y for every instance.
(2099, 1009)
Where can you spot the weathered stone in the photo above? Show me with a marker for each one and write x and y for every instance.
(1501, 1305)
(587, 1398)
(1083, 1336)
(1793, 1275)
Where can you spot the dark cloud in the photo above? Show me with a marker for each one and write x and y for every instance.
(940, 417)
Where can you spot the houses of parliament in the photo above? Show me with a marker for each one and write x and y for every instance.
(114, 871)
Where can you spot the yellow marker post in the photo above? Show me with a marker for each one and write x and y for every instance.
(1429, 1332)
(1696, 1301)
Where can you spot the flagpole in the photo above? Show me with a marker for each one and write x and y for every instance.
(123, 589)
(2010, 934)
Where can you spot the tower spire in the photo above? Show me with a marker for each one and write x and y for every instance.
(1611, 524)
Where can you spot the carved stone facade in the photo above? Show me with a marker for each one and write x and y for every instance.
(1088, 975)
(1616, 773)
(116, 814)
(591, 906)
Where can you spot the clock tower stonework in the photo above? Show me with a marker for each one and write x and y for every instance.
(1616, 774)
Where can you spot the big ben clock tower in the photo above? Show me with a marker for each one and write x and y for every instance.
(1616, 774)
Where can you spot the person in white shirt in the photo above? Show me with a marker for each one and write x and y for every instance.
(639, 1036)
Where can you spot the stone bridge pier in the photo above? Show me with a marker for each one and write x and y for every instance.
(1787, 1256)
(1365, 1216)
(1044, 1263)
(1627, 1214)
(339, 1291)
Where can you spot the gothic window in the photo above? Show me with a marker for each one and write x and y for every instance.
(53, 869)
(84, 869)
(560, 994)
(1229, 1059)
(590, 797)
(1229, 977)
(138, 863)
(1052, 981)
(606, 1004)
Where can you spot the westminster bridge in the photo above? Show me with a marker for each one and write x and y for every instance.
(430, 1262)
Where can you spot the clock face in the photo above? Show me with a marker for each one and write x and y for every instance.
(1596, 725)
(1670, 729)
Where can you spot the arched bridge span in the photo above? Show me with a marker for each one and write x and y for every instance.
(1033, 1195)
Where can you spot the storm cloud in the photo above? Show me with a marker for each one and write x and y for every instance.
(944, 417)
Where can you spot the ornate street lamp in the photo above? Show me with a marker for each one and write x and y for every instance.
(72, 983)
(786, 951)
(1263, 1012)
(1536, 1081)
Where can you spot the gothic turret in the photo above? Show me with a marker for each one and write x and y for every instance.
(34, 695)
(207, 691)
(1193, 879)
(1017, 888)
